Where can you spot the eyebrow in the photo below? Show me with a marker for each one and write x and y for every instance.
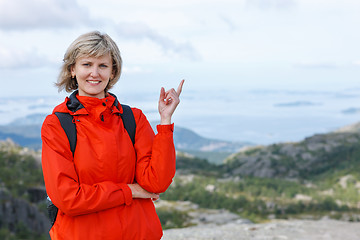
(86, 60)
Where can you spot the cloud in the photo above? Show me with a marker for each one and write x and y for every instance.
(134, 69)
(356, 63)
(137, 30)
(40, 14)
(270, 4)
(53, 14)
(228, 22)
(20, 59)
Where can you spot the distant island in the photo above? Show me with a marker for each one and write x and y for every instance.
(296, 104)
(351, 111)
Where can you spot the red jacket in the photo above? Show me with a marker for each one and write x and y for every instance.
(90, 189)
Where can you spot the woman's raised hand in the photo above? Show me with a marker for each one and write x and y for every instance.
(168, 102)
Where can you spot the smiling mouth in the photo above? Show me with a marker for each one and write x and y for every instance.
(93, 81)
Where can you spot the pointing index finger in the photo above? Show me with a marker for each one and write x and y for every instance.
(180, 87)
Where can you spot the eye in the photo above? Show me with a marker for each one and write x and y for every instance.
(103, 66)
(86, 64)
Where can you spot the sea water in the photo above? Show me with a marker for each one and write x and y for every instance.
(256, 115)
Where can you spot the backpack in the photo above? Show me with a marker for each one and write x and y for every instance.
(66, 122)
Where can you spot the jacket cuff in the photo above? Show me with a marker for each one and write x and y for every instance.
(165, 128)
(127, 193)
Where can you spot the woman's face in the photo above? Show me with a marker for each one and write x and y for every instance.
(93, 75)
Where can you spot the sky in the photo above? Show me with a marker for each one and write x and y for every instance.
(212, 44)
(216, 46)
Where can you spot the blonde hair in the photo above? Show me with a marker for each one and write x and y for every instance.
(93, 44)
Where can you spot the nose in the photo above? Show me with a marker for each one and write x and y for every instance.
(94, 72)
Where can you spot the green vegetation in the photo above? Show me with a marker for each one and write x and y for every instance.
(259, 198)
(196, 165)
(172, 218)
(317, 157)
(317, 177)
(212, 157)
(20, 232)
(18, 172)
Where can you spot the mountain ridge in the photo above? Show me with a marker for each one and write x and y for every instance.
(25, 131)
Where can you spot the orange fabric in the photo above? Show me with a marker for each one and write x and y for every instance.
(90, 189)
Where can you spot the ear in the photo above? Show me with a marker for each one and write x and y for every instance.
(72, 70)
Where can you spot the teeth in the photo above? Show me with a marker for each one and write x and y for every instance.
(93, 81)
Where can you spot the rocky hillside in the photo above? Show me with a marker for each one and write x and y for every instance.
(21, 217)
(315, 178)
(22, 194)
(315, 156)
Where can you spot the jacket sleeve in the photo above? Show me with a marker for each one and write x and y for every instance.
(156, 157)
(61, 179)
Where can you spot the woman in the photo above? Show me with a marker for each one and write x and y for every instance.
(104, 190)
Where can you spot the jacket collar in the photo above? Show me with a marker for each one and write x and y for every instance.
(74, 105)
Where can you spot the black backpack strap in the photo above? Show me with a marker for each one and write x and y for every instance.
(66, 121)
(129, 121)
